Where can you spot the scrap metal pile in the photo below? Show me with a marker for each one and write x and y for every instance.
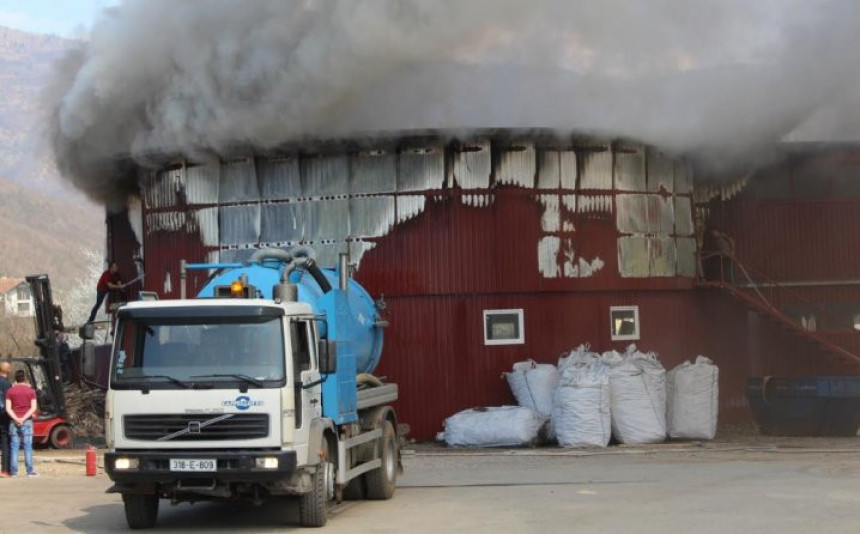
(85, 407)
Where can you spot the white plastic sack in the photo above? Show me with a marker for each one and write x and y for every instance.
(581, 414)
(637, 387)
(533, 385)
(504, 426)
(579, 356)
(693, 400)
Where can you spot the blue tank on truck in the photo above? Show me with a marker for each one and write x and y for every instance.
(349, 316)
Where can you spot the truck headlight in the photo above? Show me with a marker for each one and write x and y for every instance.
(266, 462)
(125, 464)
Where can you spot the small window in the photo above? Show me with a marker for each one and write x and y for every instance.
(624, 322)
(504, 327)
(301, 347)
(24, 307)
(23, 292)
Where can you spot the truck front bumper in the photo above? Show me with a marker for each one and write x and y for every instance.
(232, 466)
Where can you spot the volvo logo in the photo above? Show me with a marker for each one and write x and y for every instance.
(242, 403)
(194, 427)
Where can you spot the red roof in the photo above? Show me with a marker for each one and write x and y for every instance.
(8, 284)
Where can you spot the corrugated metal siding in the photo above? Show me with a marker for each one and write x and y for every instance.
(434, 348)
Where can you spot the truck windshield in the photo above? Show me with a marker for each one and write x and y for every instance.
(217, 352)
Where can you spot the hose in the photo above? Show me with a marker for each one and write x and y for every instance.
(296, 257)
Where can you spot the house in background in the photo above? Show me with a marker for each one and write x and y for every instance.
(15, 298)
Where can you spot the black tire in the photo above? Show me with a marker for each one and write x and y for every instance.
(381, 482)
(61, 436)
(141, 511)
(313, 506)
(354, 490)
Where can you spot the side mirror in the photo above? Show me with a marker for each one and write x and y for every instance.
(88, 331)
(88, 358)
(327, 353)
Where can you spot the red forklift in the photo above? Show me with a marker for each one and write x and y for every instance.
(50, 425)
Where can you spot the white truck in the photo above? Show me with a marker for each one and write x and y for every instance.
(258, 388)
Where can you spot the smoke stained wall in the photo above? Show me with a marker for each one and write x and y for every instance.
(723, 77)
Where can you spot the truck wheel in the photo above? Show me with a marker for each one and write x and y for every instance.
(61, 436)
(380, 483)
(140, 510)
(313, 506)
(354, 490)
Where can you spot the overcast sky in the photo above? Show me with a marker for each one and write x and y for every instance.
(67, 18)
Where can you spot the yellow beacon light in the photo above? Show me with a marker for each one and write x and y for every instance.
(237, 289)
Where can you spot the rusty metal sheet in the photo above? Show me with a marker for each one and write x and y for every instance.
(685, 251)
(201, 183)
(630, 167)
(280, 178)
(162, 188)
(422, 168)
(547, 252)
(373, 171)
(409, 206)
(551, 218)
(661, 172)
(517, 165)
(661, 215)
(683, 216)
(239, 225)
(238, 181)
(325, 175)
(472, 165)
(596, 168)
(371, 216)
(209, 226)
(683, 178)
(557, 170)
(327, 219)
(661, 251)
(632, 214)
(633, 257)
(283, 222)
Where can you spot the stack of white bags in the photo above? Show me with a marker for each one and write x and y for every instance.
(588, 398)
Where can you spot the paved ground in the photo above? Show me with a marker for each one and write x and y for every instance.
(781, 487)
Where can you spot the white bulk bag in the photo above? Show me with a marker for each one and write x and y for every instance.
(693, 400)
(533, 385)
(581, 414)
(503, 426)
(578, 356)
(637, 387)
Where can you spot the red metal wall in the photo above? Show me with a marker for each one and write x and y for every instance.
(439, 272)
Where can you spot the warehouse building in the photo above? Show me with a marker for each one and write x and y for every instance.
(502, 245)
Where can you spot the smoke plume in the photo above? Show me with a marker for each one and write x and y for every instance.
(725, 78)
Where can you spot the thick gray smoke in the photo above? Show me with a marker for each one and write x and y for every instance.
(719, 77)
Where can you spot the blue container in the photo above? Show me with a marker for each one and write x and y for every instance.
(808, 406)
(356, 319)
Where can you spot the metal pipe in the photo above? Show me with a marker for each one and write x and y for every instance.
(182, 275)
(343, 271)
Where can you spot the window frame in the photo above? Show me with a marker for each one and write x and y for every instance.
(519, 340)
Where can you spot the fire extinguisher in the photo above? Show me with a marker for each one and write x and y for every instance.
(92, 465)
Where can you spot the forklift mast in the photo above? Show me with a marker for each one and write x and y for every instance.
(49, 321)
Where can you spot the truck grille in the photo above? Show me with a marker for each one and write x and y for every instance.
(181, 427)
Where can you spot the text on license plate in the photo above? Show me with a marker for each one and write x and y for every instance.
(193, 465)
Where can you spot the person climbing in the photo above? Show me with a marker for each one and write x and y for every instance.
(109, 281)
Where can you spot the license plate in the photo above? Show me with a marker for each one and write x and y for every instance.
(193, 466)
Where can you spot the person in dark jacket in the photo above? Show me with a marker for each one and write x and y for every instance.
(109, 280)
(5, 385)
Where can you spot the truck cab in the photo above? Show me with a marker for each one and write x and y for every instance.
(246, 396)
